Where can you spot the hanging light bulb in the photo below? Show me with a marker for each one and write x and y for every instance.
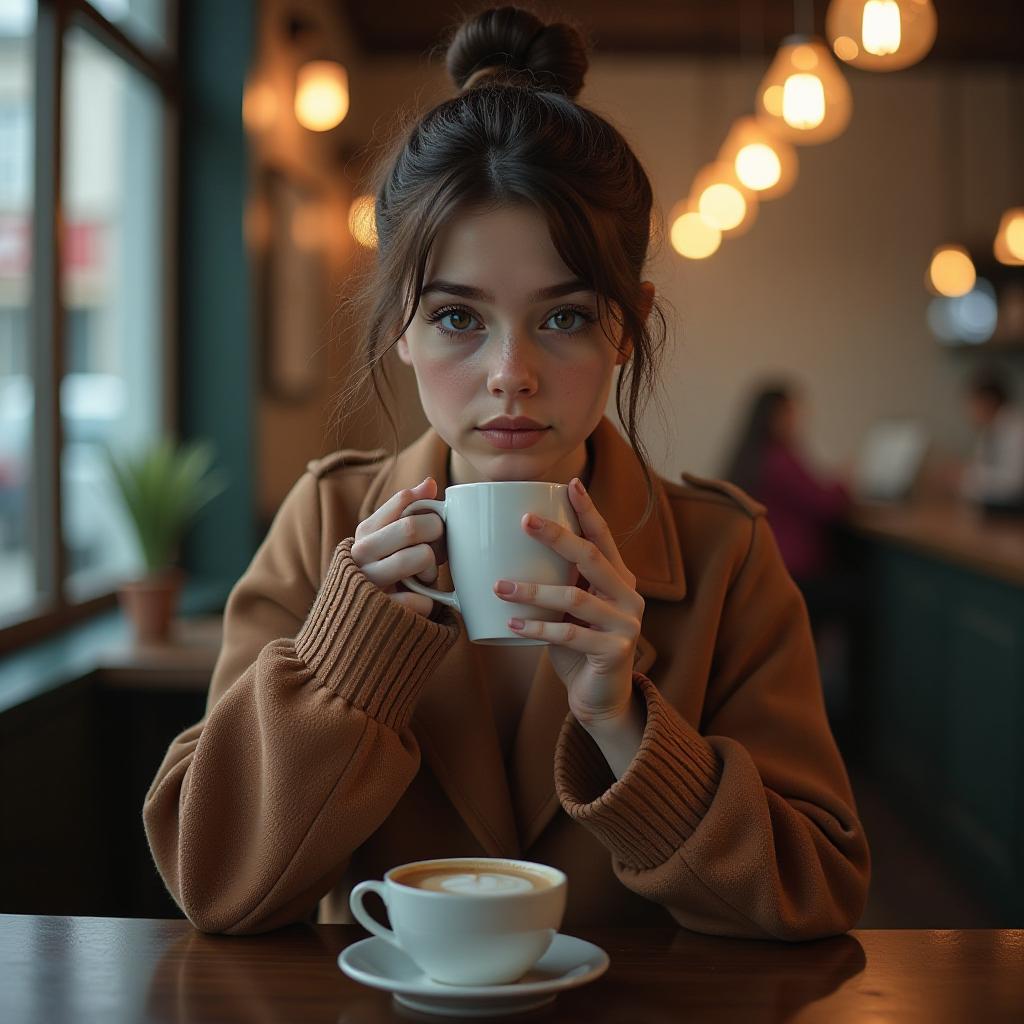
(691, 235)
(880, 27)
(1009, 244)
(321, 95)
(723, 200)
(881, 35)
(803, 96)
(362, 221)
(761, 161)
(951, 271)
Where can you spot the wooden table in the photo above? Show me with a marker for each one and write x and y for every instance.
(86, 969)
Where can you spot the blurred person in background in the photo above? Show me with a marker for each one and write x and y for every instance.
(768, 463)
(804, 510)
(994, 477)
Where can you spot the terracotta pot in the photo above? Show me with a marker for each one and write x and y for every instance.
(150, 604)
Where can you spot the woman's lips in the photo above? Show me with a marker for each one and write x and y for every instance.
(513, 438)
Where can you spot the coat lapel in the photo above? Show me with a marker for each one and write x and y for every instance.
(454, 721)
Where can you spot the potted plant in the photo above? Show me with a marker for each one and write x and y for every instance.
(163, 487)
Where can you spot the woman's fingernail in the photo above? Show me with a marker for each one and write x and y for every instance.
(578, 484)
(505, 587)
(534, 522)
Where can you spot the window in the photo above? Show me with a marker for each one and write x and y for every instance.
(83, 319)
(17, 30)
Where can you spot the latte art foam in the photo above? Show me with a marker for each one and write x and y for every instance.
(474, 884)
(474, 879)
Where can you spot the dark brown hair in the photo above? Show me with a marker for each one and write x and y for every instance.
(514, 136)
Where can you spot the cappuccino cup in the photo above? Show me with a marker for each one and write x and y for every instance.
(486, 542)
(468, 920)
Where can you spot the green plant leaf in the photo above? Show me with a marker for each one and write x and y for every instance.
(163, 487)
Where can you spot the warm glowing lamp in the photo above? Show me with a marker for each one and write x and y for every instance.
(723, 200)
(803, 96)
(763, 163)
(1009, 243)
(362, 221)
(321, 95)
(691, 235)
(951, 271)
(881, 35)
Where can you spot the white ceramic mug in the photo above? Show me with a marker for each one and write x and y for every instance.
(486, 542)
(478, 937)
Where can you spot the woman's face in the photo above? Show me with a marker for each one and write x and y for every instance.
(503, 330)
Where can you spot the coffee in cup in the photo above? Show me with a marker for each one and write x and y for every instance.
(486, 542)
(468, 920)
(474, 878)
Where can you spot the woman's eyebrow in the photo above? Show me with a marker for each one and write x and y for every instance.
(469, 292)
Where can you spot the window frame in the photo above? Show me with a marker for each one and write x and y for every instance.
(52, 611)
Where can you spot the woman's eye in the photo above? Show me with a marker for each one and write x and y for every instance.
(458, 319)
(566, 318)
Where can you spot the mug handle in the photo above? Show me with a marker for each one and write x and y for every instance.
(355, 901)
(447, 597)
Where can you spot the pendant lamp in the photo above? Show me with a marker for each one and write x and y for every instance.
(763, 163)
(362, 221)
(321, 95)
(723, 200)
(804, 97)
(951, 270)
(881, 35)
(1009, 241)
(690, 234)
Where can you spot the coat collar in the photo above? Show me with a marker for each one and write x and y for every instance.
(507, 807)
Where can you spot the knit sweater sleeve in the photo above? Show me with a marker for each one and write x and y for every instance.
(748, 828)
(305, 746)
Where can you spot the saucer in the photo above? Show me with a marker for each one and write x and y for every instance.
(567, 963)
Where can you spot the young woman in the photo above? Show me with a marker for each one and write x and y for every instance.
(668, 748)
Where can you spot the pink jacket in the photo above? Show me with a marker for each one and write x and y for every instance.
(801, 509)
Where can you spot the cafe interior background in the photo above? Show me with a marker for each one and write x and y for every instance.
(183, 208)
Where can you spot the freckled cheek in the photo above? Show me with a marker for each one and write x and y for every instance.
(447, 382)
(582, 389)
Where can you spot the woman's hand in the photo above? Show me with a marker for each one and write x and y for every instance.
(593, 651)
(389, 546)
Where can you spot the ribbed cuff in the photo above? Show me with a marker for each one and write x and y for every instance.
(646, 815)
(370, 650)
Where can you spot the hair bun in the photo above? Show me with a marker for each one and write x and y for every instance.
(521, 49)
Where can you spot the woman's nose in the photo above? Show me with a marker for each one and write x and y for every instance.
(512, 371)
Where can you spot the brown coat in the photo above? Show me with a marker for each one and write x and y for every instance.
(346, 734)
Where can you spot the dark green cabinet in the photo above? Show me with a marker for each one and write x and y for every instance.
(946, 711)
